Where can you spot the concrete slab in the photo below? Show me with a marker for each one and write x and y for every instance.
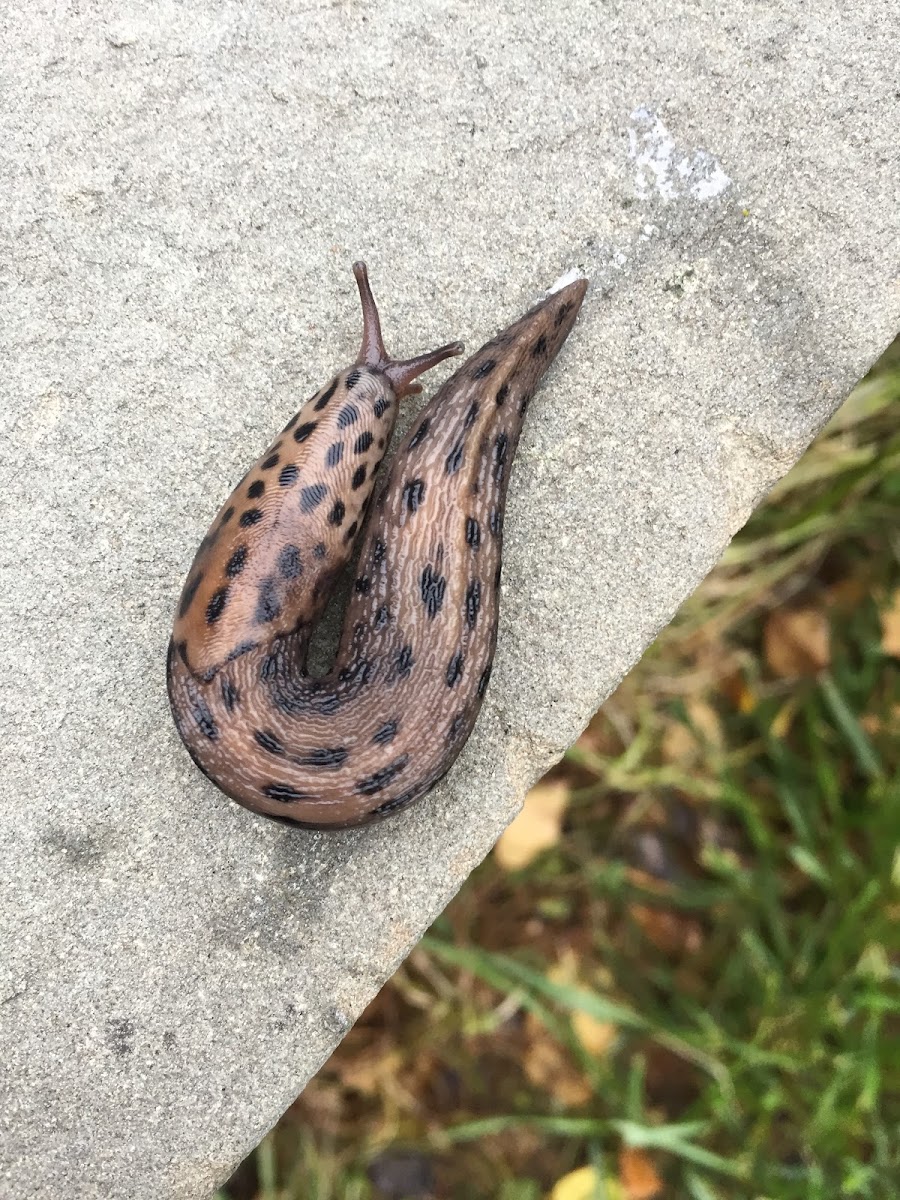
(184, 189)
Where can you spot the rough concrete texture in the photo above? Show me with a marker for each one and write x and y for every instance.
(183, 190)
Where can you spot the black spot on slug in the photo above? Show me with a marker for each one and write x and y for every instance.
(382, 616)
(267, 606)
(420, 433)
(189, 593)
(405, 661)
(363, 442)
(454, 459)
(455, 669)
(251, 517)
(336, 516)
(352, 379)
(380, 407)
(289, 564)
(348, 415)
(302, 432)
(255, 490)
(398, 802)
(413, 494)
(291, 423)
(326, 396)
(227, 515)
(471, 415)
(473, 602)
(328, 756)
(362, 585)
(271, 461)
(236, 563)
(359, 477)
(495, 522)
(216, 605)
(380, 779)
(204, 718)
(283, 792)
(502, 393)
(335, 454)
(268, 741)
(378, 552)
(456, 726)
(484, 369)
(230, 694)
(433, 588)
(501, 445)
(311, 497)
(386, 734)
(320, 550)
(288, 474)
(473, 533)
(539, 347)
(561, 314)
(351, 532)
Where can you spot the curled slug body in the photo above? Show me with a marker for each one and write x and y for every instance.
(420, 629)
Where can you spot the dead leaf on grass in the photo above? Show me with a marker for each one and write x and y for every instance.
(535, 829)
(797, 642)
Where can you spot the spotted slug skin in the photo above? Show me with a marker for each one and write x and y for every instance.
(419, 634)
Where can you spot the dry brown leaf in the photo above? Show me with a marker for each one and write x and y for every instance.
(890, 626)
(596, 1036)
(536, 828)
(797, 641)
(669, 931)
(705, 720)
(549, 1067)
(638, 1175)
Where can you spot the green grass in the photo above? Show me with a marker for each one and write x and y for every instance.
(746, 965)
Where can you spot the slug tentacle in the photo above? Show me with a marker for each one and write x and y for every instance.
(419, 633)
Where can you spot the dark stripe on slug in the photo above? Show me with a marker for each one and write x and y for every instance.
(473, 602)
(420, 433)
(363, 442)
(335, 454)
(268, 741)
(455, 669)
(456, 726)
(397, 803)
(539, 347)
(216, 605)
(380, 407)
(362, 585)
(227, 515)
(291, 423)
(386, 734)
(378, 552)
(284, 793)
(359, 477)
(352, 380)
(320, 550)
(454, 459)
(336, 516)
(348, 415)
(502, 393)
(189, 593)
(333, 756)
(304, 431)
(325, 397)
(204, 718)
(311, 497)
(255, 490)
(562, 312)
(380, 779)
(382, 616)
(288, 474)
(501, 445)
(271, 461)
(484, 369)
(495, 522)
(433, 587)
(230, 694)
(405, 661)
(473, 533)
(351, 532)
(471, 415)
(484, 680)
(413, 494)
(251, 517)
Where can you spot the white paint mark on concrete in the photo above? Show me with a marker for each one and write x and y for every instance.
(660, 166)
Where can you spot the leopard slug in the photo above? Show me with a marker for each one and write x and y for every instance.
(418, 638)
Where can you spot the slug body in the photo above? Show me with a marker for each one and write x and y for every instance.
(420, 629)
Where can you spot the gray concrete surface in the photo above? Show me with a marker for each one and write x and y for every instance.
(183, 190)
